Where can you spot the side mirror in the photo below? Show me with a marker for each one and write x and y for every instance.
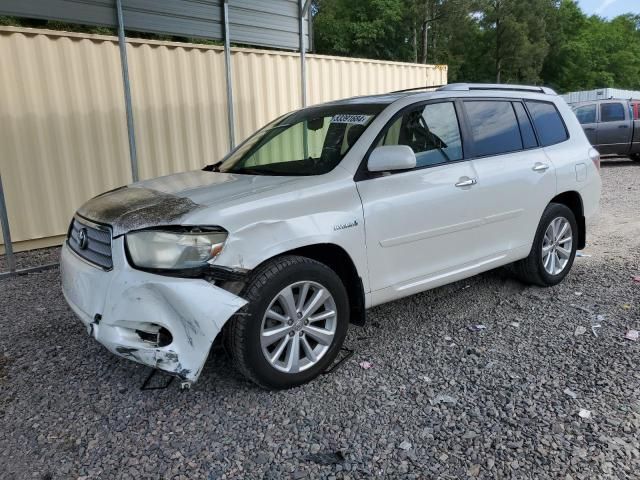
(391, 157)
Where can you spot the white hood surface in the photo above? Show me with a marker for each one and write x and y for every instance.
(167, 200)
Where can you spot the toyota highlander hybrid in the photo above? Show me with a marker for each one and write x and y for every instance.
(324, 213)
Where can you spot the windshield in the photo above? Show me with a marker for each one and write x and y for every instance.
(308, 142)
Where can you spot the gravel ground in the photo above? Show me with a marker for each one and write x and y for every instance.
(34, 258)
(439, 402)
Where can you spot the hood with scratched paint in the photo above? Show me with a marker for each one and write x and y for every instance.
(165, 200)
(210, 188)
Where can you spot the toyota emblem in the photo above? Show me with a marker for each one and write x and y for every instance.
(83, 238)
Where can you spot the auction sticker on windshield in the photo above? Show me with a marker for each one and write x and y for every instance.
(356, 119)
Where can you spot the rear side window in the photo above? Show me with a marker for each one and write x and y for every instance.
(526, 130)
(586, 114)
(636, 110)
(494, 127)
(611, 112)
(548, 122)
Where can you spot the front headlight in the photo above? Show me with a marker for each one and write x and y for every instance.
(167, 250)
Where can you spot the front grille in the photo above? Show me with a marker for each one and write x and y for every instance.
(96, 246)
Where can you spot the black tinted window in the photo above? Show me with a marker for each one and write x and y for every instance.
(431, 131)
(526, 130)
(494, 127)
(548, 122)
(586, 114)
(611, 112)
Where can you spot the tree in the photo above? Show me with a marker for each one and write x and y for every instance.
(435, 21)
(516, 36)
(363, 28)
(511, 41)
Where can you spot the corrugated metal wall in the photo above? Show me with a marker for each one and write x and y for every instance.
(273, 23)
(63, 138)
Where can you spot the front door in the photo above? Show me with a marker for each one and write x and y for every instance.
(587, 117)
(417, 222)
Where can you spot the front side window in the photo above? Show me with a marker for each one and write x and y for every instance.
(431, 131)
(586, 114)
(494, 127)
(611, 112)
(548, 123)
(308, 142)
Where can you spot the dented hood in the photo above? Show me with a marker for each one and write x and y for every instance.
(166, 200)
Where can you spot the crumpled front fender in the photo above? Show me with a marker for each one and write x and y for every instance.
(124, 309)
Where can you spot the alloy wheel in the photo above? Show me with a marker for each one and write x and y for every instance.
(557, 245)
(298, 326)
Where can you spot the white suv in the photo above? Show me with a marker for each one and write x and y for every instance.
(324, 213)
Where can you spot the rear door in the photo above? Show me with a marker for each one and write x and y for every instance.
(516, 179)
(587, 116)
(614, 128)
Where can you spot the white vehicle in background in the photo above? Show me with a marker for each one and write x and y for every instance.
(324, 213)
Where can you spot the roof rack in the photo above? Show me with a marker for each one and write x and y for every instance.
(496, 86)
(417, 88)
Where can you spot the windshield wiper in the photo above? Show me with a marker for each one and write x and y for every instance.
(254, 171)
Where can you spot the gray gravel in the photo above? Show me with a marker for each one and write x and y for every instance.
(440, 401)
(34, 258)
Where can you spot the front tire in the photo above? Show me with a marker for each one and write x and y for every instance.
(553, 250)
(293, 326)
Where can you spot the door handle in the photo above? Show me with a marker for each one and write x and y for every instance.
(623, 126)
(590, 129)
(540, 167)
(466, 183)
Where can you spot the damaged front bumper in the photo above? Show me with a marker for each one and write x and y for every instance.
(163, 322)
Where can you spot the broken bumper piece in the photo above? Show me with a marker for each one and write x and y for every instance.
(163, 322)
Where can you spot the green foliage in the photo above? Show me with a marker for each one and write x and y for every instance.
(535, 41)
(362, 28)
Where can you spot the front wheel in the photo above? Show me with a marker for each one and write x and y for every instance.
(553, 250)
(293, 326)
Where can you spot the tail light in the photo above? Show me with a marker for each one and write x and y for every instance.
(594, 155)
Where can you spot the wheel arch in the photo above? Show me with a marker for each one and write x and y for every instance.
(337, 258)
(572, 200)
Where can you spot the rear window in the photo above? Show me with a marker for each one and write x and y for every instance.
(586, 114)
(611, 112)
(548, 123)
(494, 127)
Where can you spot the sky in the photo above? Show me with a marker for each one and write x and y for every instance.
(610, 8)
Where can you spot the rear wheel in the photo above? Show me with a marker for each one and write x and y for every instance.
(553, 250)
(293, 326)
(635, 157)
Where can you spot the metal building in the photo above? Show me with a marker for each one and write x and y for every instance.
(600, 94)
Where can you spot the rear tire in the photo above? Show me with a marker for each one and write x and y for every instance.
(553, 249)
(276, 340)
(635, 157)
